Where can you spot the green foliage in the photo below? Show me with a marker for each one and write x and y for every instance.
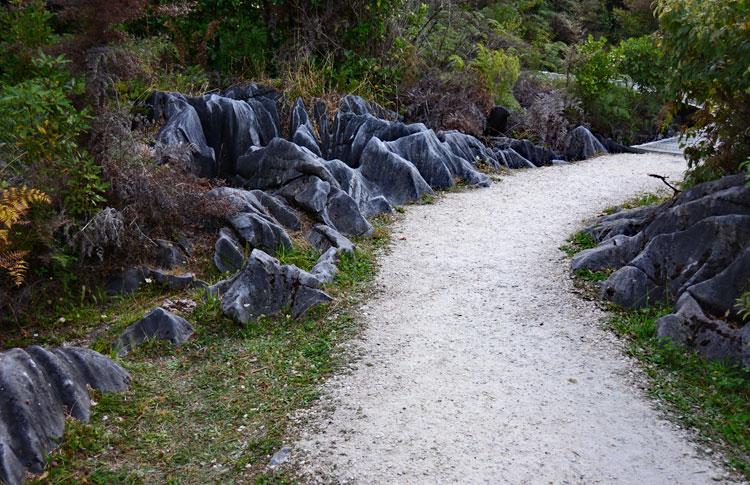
(580, 241)
(621, 87)
(25, 27)
(499, 70)
(40, 129)
(707, 46)
(743, 306)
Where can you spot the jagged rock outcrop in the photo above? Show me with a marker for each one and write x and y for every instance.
(266, 287)
(38, 389)
(326, 267)
(693, 250)
(157, 324)
(469, 148)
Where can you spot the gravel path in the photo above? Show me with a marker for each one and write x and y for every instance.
(480, 364)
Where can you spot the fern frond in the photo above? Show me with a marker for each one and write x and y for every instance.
(15, 202)
(15, 264)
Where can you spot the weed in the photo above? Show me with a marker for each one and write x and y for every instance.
(580, 241)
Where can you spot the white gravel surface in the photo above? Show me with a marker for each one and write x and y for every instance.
(479, 363)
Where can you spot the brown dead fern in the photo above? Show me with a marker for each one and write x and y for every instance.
(15, 203)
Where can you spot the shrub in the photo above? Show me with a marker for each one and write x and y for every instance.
(707, 47)
(499, 71)
(25, 27)
(39, 132)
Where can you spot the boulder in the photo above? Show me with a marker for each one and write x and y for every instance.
(132, 279)
(325, 268)
(672, 262)
(279, 163)
(169, 254)
(693, 250)
(228, 255)
(582, 144)
(537, 155)
(259, 232)
(157, 324)
(510, 158)
(38, 389)
(497, 121)
(324, 238)
(266, 287)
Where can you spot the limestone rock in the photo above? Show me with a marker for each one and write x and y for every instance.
(157, 324)
(266, 287)
(38, 389)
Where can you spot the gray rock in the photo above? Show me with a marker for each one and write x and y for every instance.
(469, 148)
(309, 193)
(324, 237)
(582, 144)
(132, 279)
(259, 232)
(343, 214)
(326, 267)
(612, 254)
(157, 324)
(266, 287)
(436, 163)
(228, 255)
(630, 287)
(510, 158)
(539, 156)
(711, 337)
(279, 163)
(38, 389)
(280, 457)
(169, 254)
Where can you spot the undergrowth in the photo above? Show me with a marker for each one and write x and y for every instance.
(216, 408)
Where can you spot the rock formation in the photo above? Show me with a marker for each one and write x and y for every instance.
(693, 251)
(38, 389)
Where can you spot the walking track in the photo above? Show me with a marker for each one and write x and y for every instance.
(479, 362)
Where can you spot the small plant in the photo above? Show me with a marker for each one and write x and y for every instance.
(500, 71)
(580, 241)
(743, 306)
(15, 204)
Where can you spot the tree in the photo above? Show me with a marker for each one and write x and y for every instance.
(707, 46)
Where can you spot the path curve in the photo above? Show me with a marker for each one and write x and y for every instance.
(480, 365)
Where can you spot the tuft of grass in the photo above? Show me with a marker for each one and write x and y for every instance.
(302, 258)
(640, 200)
(592, 276)
(580, 241)
(708, 396)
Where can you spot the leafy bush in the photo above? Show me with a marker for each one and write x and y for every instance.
(25, 27)
(499, 71)
(39, 133)
(707, 46)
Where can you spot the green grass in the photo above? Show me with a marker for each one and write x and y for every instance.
(711, 397)
(640, 200)
(580, 241)
(216, 408)
(592, 276)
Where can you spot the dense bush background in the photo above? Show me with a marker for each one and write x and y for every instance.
(74, 74)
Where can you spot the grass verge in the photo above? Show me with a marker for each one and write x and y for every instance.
(215, 409)
(710, 397)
